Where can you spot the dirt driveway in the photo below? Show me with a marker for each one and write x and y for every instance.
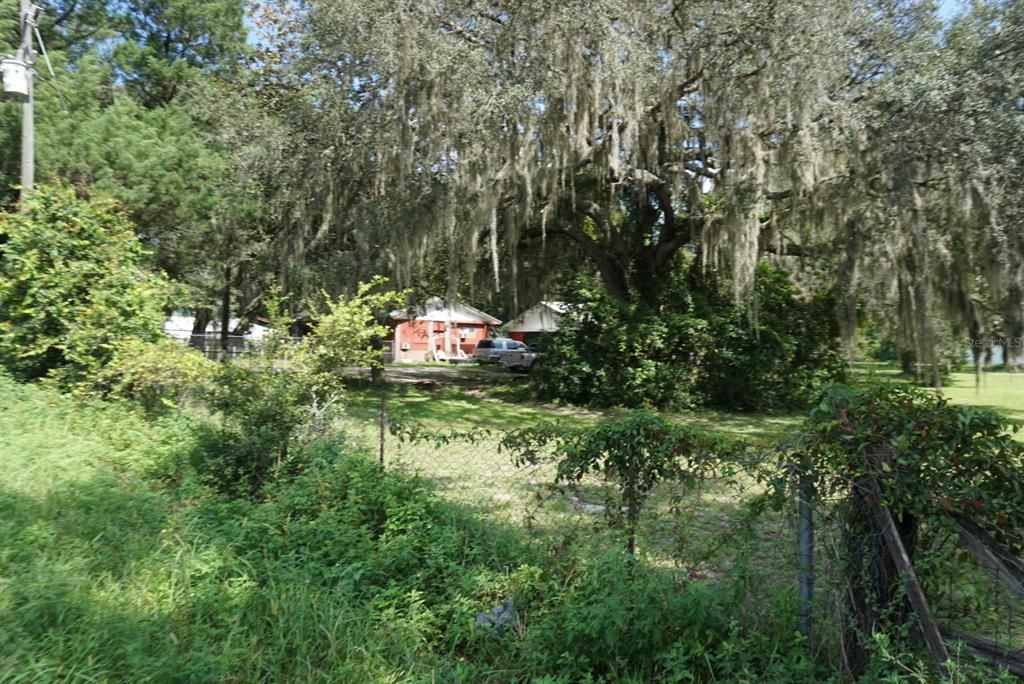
(461, 375)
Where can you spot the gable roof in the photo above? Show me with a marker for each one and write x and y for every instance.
(541, 317)
(438, 309)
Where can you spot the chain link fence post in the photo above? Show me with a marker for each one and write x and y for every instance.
(805, 547)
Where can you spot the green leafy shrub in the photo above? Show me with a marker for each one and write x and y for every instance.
(157, 374)
(618, 621)
(260, 412)
(935, 459)
(635, 453)
(613, 353)
(610, 619)
(692, 345)
(72, 286)
(288, 394)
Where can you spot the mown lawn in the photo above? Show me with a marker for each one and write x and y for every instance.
(455, 408)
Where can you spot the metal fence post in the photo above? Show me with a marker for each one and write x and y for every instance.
(805, 544)
(383, 416)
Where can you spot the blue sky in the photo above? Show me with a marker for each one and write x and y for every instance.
(948, 8)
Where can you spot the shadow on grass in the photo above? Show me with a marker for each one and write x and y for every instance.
(97, 518)
(69, 564)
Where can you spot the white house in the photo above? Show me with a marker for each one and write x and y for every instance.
(180, 323)
(540, 318)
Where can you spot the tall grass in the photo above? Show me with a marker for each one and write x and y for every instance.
(117, 563)
(111, 570)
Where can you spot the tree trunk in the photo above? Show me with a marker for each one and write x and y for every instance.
(198, 338)
(1013, 348)
(377, 369)
(1011, 352)
(979, 366)
(1013, 327)
(908, 362)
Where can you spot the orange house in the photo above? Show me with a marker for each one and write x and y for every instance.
(437, 329)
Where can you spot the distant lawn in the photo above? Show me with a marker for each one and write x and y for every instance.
(999, 390)
(453, 408)
(502, 402)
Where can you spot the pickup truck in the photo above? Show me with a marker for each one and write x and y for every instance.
(519, 359)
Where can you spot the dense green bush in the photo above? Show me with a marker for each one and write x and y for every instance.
(159, 375)
(613, 353)
(260, 412)
(271, 404)
(72, 285)
(419, 569)
(780, 354)
(693, 345)
(936, 460)
(617, 621)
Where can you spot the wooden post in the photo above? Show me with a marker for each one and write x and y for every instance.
(929, 628)
(997, 654)
(632, 505)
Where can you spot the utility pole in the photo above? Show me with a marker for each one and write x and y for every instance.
(28, 129)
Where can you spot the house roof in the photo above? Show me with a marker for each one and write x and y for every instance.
(180, 323)
(438, 309)
(541, 317)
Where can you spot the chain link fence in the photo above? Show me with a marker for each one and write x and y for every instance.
(702, 530)
(967, 601)
(723, 527)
